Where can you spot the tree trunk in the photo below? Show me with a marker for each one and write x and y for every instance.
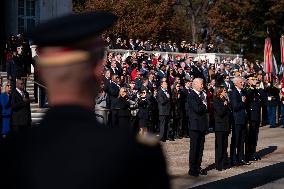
(193, 28)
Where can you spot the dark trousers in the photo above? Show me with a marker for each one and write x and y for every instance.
(164, 125)
(264, 115)
(221, 145)
(36, 92)
(271, 110)
(185, 126)
(177, 126)
(124, 121)
(197, 139)
(42, 97)
(237, 142)
(252, 138)
(114, 119)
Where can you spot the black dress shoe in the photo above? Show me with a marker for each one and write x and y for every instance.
(257, 157)
(253, 158)
(234, 163)
(186, 136)
(171, 139)
(163, 140)
(193, 173)
(202, 172)
(243, 162)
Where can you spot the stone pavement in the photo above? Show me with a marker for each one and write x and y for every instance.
(266, 173)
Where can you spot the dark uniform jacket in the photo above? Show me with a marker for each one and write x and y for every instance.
(253, 104)
(273, 93)
(69, 149)
(238, 106)
(21, 110)
(184, 93)
(198, 117)
(222, 115)
(164, 103)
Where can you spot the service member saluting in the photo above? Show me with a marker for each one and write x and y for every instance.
(70, 149)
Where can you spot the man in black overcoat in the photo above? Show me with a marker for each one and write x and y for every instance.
(164, 105)
(238, 101)
(198, 121)
(69, 148)
(21, 110)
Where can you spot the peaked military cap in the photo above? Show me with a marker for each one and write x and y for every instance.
(71, 38)
(71, 28)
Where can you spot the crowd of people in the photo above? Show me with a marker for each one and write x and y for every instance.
(174, 98)
(188, 98)
(169, 46)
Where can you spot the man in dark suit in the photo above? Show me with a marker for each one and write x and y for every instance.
(113, 93)
(227, 83)
(162, 72)
(164, 105)
(16, 66)
(70, 149)
(113, 89)
(21, 111)
(184, 94)
(114, 70)
(238, 101)
(106, 79)
(198, 119)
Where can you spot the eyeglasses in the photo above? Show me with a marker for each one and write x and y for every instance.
(21, 83)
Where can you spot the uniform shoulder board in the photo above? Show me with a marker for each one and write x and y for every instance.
(147, 139)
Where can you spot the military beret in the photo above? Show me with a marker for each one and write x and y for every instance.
(71, 28)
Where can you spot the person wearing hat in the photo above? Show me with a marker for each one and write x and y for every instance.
(69, 148)
(254, 113)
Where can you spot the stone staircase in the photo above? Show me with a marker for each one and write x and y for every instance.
(37, 113)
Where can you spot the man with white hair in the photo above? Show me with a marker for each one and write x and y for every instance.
(238, 100)
(198, 121)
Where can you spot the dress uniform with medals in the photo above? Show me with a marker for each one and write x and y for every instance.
(69, 148)
(254, 114)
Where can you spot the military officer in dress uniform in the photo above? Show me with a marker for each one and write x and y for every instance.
(70, 149)
(254, 111)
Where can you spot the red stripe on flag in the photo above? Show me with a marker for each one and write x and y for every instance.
(268, 55)
(282, 48)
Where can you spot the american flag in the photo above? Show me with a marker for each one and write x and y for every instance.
(268, 56)
(282, 48)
